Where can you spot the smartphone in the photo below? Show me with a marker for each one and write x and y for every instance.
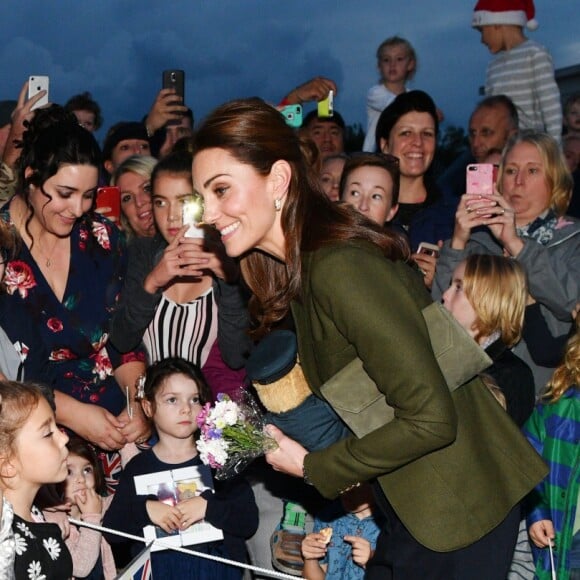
(293, 115)
(109, 202)
(326, 107)
(35, 85)
(192, 212)
(479, 178)
(175, 79)
(429, 249)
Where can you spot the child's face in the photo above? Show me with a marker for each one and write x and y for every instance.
(456, 302)
(395, 64)
(572, 117)
(330, 178)
(572, 153)
(358, 499)
(370, 190)
(492, 37)
(41, 451)
(81, 476)
(177, 404)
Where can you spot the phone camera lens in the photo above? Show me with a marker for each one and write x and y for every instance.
(173, 77)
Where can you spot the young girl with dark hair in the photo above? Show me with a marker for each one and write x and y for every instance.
(174, 394)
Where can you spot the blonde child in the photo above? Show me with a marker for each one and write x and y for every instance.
(397, 63)
(82, 492)
(554, 431)
(33, 453)
(344, 537)
(173, 395)
(521, 68)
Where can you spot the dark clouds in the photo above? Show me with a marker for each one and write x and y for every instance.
(117, 49)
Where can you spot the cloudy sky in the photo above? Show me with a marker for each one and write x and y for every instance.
(117, 49)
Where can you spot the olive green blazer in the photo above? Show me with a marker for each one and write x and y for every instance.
(451, 465)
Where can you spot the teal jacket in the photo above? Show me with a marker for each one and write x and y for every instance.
(452, 466)
(554, 431)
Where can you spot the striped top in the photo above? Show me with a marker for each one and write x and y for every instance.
(185, 330)
(526, 75)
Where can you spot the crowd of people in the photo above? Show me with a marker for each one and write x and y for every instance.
(306, 269)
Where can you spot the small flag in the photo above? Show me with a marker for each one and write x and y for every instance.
(139, 568)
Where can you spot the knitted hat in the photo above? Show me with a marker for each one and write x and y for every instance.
(516, 12)
(120, 132)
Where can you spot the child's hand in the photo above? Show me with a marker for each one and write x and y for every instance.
(167, 517)
(361, 550)
(88, 501)
(542, 531)
(192, 510)
(314, 546)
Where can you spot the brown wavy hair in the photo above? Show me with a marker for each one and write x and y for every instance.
(255, 134)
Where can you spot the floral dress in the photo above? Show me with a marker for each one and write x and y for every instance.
(41, 553)
(76, 330)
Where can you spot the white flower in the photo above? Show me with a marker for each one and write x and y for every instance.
(225, 413)
(217, 448)
(52, 547)
(35, 571)
(20, 544)
(25, 529)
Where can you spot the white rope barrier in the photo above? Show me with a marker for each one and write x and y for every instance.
(164, 543)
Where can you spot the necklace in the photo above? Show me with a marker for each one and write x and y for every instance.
(47, 257)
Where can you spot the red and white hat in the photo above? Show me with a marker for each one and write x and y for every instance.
(516, 12)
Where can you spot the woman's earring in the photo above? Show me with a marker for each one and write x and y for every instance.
(277, 204)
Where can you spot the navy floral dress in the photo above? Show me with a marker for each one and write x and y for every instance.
(76, 330)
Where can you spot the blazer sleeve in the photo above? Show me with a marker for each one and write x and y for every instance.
(374, 305)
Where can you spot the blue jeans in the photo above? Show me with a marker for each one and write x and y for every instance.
(314, 424)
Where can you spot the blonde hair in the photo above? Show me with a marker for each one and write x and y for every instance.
(567, 375)
(558, 178)
(398, 41)
(496, 289)
(142, 165)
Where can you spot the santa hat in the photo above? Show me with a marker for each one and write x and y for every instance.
(516, 12)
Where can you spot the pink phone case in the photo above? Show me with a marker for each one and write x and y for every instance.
(479, 178)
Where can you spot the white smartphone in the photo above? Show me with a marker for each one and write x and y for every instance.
(35, 85)
(429, 249)
(192, 212)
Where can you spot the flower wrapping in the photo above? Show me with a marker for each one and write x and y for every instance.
(232, 434)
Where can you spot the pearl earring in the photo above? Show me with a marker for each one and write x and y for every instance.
(277, 204)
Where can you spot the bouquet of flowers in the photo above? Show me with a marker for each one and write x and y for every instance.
(232, 434)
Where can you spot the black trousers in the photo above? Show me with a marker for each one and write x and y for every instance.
(398, 556)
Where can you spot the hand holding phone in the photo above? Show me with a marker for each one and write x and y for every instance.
(175, 79)
(36, 84)
(108, 202)
(428, 249)
(479, 178)
(326, 107)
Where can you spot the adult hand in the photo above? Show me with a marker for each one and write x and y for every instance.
(137, 428)
(541, 532)
(361, 549)
(315, 89)
(168, 106)
(501, 221)
(289, 456)
(167, 517)
(100, 427)
(467, 217)
(427, 264)
(23, 112)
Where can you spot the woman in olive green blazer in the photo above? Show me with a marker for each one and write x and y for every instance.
(450, 468)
